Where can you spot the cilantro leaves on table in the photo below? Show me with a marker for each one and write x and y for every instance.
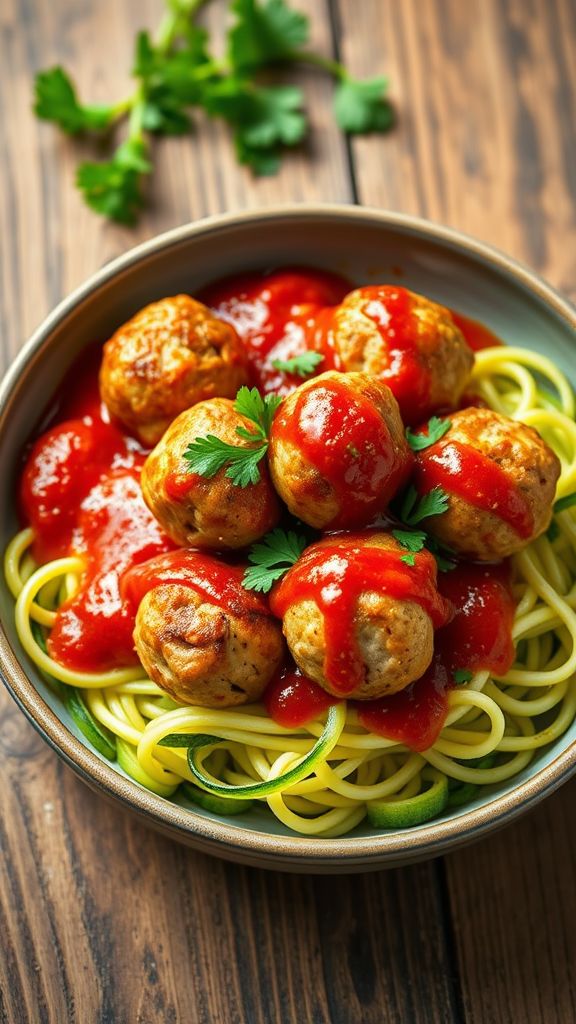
(206, 456)
(56, 100)
(303, 365)
(362, 106)
(271, 558)
(436, 428)
(175, 72)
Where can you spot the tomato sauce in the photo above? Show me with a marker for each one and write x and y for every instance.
(219, 583)
(341, 433)
(479, 636)
(334, 574)
(291, 699)
(461, 470)
(278, 316)
(477, 335)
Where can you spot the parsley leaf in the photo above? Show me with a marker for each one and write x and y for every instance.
(271, 558)
(263, 119)
(462, 675)
(56, 100)
(207, 455)
(415, 509)
(113, 187)
(412, 540)
(409, 559)
(250, 403)
(436, 429)
(361, 106)
(303, 365)
(172, 81)
(264, 33)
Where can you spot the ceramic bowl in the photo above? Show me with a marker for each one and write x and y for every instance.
(368, 246)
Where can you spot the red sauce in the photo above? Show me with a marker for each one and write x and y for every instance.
(341, 433)
(479, 636)
(471, 475)
(334, 573)
(80, 492)
(219, 583)
(291, 699)
(476, 334)
(279, 315)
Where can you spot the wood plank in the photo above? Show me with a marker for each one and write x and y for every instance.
(486, 99)
(102, 920)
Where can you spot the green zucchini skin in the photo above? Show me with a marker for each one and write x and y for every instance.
(216, 804)
(101, 738)
(396, 814)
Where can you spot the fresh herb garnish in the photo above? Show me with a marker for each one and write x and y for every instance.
(415, 509)
(462, 675)
(177, 72)
(436, 429)
(207, 455)
(303, 365)
(271, 558)
(413, 541)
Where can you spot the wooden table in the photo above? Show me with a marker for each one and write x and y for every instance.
(104, 921)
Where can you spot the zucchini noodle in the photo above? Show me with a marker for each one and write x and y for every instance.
(324, 778)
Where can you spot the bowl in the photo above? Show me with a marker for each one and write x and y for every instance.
(367, 246)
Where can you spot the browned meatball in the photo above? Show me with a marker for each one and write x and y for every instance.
(358, 620)
(199, 634)
(201, 512)
(169, 356)
(500, 477)
(409, 341)
(338, 453)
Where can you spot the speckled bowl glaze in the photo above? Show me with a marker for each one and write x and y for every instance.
(367, 246)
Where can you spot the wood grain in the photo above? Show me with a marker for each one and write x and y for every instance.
(102, 920)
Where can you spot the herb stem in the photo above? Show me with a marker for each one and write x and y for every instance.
(333, 67)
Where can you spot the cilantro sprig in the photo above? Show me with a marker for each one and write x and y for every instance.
(303, 365)
(271, 558)
(176, 73)
(415, 509)
(206, 456)
(436, 428)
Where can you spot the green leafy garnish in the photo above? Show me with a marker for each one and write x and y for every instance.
(207, 455)
(56, 101)
(436, 429)
(462, 675)
(175, 72)
(113, 188)
(303, 365)
(413, 541)
(250, 403)
(415, 509)
(362, 106)
(271, 558)
(265, 33)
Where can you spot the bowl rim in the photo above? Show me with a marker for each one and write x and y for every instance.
(215, 835)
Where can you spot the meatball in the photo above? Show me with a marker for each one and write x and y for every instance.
(500, 477)
(206, 512)
(169, 356)
(409, 342)
(199, 634)
(338, 453)
(358, 619)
